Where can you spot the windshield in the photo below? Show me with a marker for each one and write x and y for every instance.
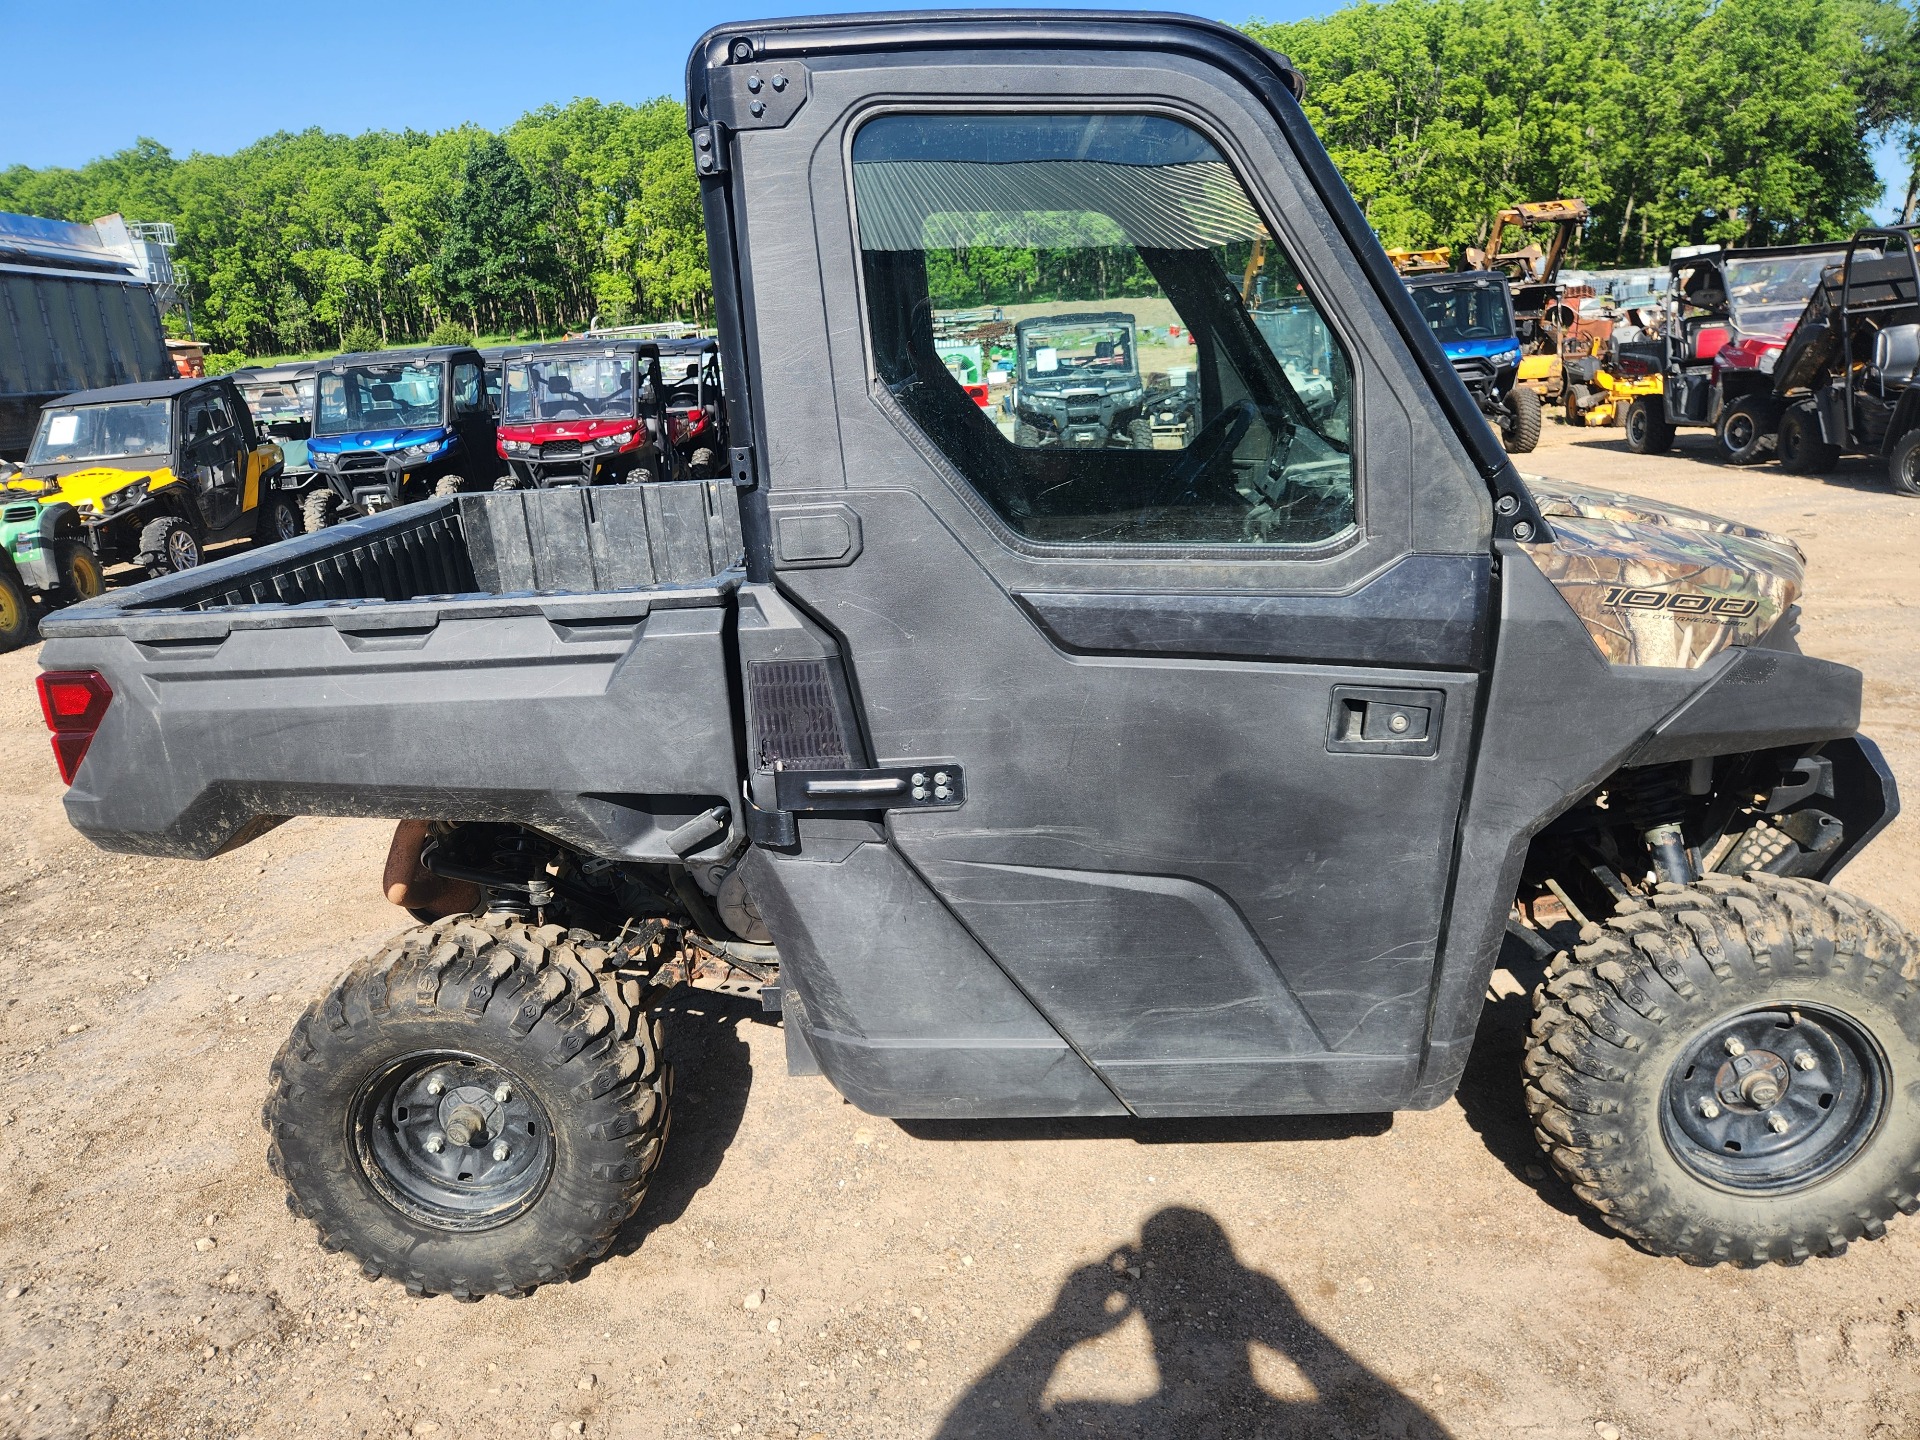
(1081, 350)
(401, 396)
(272, 401)
(569, 387)
(1475, 310)
(1766, 296)
(102, 432)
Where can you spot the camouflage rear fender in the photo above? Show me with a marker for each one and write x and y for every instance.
(1662, 585)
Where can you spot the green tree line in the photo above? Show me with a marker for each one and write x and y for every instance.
(317, 241)
(1679, 121)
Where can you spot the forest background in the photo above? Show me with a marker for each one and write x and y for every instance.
(1679, 121)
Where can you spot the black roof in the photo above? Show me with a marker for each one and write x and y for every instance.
(1078, 317)
(1754, 252)
(591, 346)
(396, 357)
(144, 390)
(1455, 277)
(292, 370)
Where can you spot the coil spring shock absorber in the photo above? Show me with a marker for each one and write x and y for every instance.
(1654, 802)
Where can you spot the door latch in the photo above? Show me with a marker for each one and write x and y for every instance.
(926, 785)
(1384, 722)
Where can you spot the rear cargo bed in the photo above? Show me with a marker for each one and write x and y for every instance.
(480, 657)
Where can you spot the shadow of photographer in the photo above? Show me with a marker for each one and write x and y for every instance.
(1204, 1313)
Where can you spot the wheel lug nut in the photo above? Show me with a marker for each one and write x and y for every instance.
(500, 1151)
(1777, 1123)
(1734, 1047)
(435, 1144)
(1709, 1110)
(436, 1086)
(503, 1094)
(1803, 1060)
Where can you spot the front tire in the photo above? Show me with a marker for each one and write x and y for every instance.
(1524, 433)
(536, 1146)
(316, 509)
(1743, 433)
(168, 545)
(1724, 1073)
(1648, 432)
(1140, 435)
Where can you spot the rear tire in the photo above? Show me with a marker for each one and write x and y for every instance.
(280, 518)
(1801, 447)
(535, 1151)
(1724, 1074)
(1903, 464)
(1743, 434)
(316, 509)
(168, 545)
(1648, 432)
(81, 577)
(1524, 433)
(16, 610)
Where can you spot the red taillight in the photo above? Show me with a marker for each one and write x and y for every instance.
(74, 702)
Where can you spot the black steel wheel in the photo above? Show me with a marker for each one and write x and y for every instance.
(1743, 433)
(452, 1139)
(1903, 463)
(1719, 1072)
(1801, 447)
(1648, 432)
(1773, 1100)
(474, 1111)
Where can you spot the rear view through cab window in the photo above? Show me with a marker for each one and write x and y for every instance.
(1087, 316)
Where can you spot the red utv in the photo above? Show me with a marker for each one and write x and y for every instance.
(585, 412)
(696, 405)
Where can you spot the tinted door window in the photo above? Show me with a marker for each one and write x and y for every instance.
(1088, 318)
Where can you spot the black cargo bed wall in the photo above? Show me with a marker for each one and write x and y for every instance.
(624, 537)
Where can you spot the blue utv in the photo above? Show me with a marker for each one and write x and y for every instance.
(1471, 314)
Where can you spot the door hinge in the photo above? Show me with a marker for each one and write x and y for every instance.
(757, 94)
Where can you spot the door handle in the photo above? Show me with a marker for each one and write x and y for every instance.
(1366, 721)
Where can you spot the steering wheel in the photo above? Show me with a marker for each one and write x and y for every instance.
(1223, 433)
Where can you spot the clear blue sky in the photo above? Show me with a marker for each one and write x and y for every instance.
(85, 80)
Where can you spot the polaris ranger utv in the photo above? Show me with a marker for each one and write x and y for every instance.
(1728, 314)
(1077, 383)
(1471, 315)
(1028, 781)
(395, 426)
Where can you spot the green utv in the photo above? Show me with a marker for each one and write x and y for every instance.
(1207, 777)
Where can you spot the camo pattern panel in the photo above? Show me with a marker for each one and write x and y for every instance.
(1662, 585)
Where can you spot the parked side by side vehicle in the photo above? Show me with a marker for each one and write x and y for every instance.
(1471, 315)
(1728, 314)
(395, 426)
(1848, 383)
(586, 412)
(149, 474)
(1076, 382)
(696, 403)
(1197, 779)
(280, 398)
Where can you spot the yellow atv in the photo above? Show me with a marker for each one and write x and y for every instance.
(150, 473)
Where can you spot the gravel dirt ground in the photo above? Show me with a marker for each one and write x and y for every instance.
(805, 1270)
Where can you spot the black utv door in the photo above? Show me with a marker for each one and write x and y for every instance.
(216, 457)
(1204, 707)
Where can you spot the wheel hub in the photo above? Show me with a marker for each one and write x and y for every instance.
(1774, 1100)
(453, 1140)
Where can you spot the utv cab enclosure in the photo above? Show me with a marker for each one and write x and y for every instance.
(280, 399)
(1029, 780)
(1728, 314)
(696, 404)
(587, 412)
(1077, 382)
(395, 426)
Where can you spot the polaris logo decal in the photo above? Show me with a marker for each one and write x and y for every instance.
(1705, 607)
